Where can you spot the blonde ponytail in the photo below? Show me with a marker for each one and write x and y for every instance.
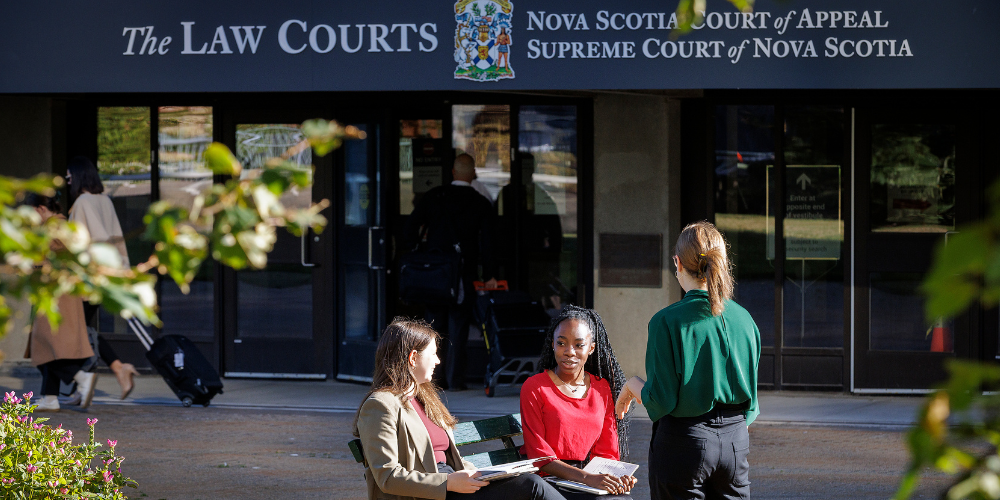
(702, 252)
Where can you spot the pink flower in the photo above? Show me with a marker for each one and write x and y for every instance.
(2, 446)
(29, 453)
(108, 461)
(78, 464)
(108, 476)
(63, 491)
(112, 443)
(31, 468)
(38, 426)
(52, 445)
(28, 394)
(52, 484)
(91, 421)
(8, 396)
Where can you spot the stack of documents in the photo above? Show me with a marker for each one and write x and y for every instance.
(598, 465)
(502, 471)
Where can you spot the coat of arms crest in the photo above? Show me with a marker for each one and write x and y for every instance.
(483, 39)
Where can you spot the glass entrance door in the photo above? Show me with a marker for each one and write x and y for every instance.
(913, 192)
(278, 320)
(361, 270)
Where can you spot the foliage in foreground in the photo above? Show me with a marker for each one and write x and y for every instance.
(966, 270)
(38, 461)
(235, 223)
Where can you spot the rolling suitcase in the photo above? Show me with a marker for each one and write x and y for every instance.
(514, 328)
(181, 364)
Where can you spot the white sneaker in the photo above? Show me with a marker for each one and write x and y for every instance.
(85, 383)
(71, 400)
(48, 403)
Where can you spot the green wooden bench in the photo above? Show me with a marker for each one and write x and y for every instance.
(504, 428)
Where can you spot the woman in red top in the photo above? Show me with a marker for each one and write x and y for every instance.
(568, 410)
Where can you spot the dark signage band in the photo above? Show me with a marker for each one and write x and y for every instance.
(310, 45)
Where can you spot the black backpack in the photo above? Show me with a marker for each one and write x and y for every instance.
(431, 273)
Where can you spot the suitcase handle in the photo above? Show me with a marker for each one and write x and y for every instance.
(481, 287)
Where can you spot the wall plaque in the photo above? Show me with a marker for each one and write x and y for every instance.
(631, 260)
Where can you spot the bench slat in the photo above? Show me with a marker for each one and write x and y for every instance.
(487, 429)
(477, 431)
(359, 455)
(496, 457)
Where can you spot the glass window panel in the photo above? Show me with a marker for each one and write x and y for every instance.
(484, 133)
(744, 141)
(420, 148)
(256, 143)
(913, 178)
(904, 329)
(286, 285)
(357, 190)
(123, 160)
(814, 228)
(547, 141)
(184, 133)
(275, 303)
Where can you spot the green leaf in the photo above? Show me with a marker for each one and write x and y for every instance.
(220, 160)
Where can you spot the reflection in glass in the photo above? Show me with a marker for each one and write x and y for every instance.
(184, 133)
(256, 143)
(419, 133)
(744, 141)
(813, 228)
(913, 178)
(357, 193)
(547, 203)
(275, 303)
(904, 329)
(123, 160)
(484, 133)
(357, 312)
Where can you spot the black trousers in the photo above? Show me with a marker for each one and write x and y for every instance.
(104, 350)
(523, 487)
(452, 322)
(59, 370)
(702, 457)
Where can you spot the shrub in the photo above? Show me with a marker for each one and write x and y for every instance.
(38, 461)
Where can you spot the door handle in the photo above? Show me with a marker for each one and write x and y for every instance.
(946, 234)
(371, 246)
(302, 258)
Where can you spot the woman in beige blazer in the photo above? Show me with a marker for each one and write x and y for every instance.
(60, 353)
(406, 432)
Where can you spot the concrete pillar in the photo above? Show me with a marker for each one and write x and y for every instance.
(636, 191)
(25, 150)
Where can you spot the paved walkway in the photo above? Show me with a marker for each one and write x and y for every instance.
(777, 408)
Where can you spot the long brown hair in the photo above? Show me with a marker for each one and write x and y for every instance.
(702, 251)
(392, 369)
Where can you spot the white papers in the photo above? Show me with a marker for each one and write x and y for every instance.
(573, 485)
(501, 471)
(601, 465)
(598, 465)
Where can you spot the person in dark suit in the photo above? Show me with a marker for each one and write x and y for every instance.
(446, 216)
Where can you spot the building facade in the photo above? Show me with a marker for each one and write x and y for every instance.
(834, 147)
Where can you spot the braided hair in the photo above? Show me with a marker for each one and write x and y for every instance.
(602, 363)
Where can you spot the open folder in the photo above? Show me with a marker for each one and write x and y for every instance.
(598, 465)
(494, 472)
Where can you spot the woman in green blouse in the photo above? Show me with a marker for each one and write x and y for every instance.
(701, 360)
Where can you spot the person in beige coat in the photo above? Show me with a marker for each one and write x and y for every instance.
(406, 432)
(95, 211)
(59, 354)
